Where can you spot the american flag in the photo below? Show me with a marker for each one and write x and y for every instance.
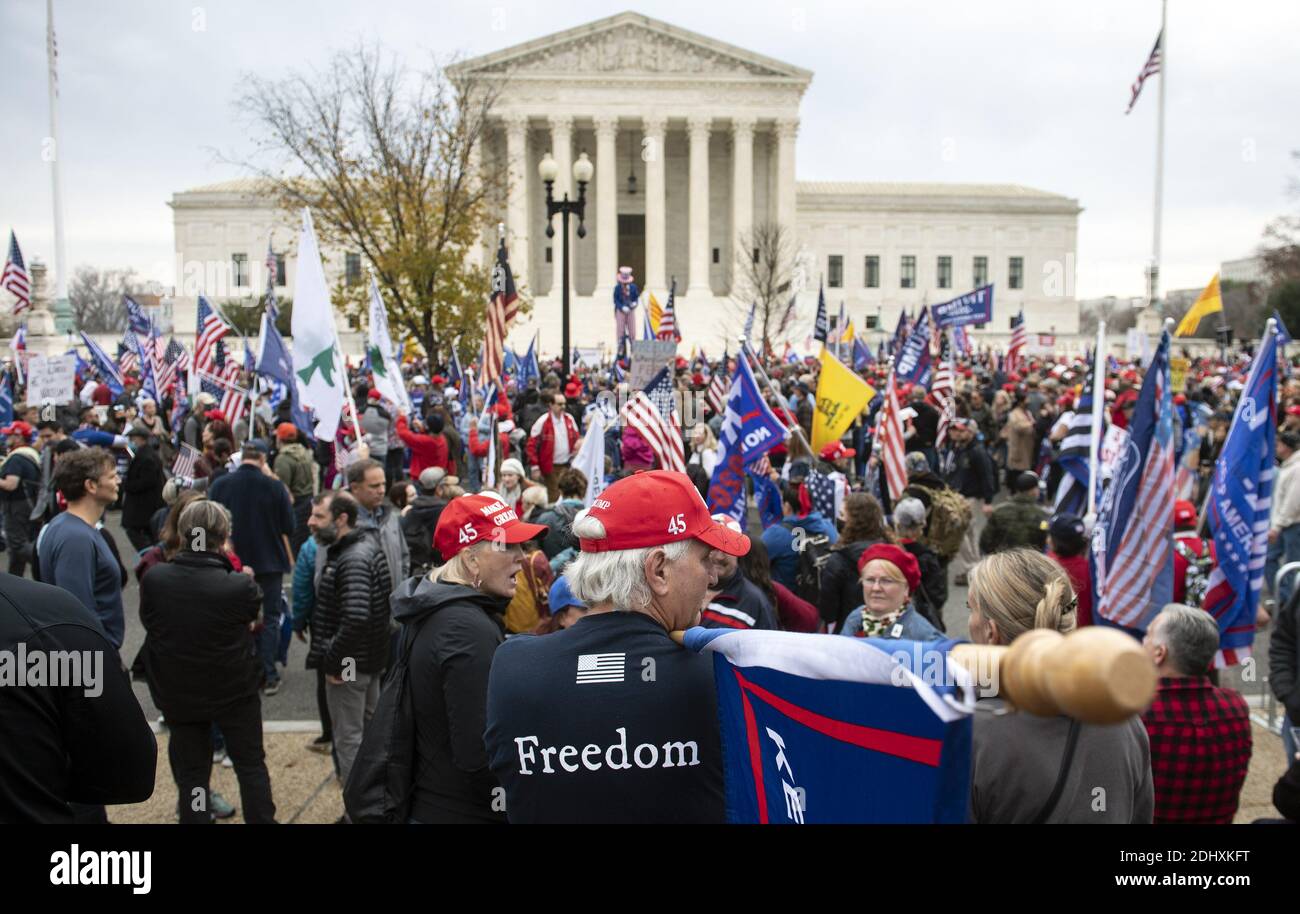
(171, 364)
(503, 305)
(1133, 548)
(1150, 68)
(1018, 340)
(127, 359)
(18, 345)
(716, 396)
(653, 413)
(184, 463)
(942, 391)
(889, 432)
(234, 398)
(209, 330)
(16, 278)
(668, 329)
(821, 491)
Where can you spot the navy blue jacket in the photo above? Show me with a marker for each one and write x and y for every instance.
(260, 513)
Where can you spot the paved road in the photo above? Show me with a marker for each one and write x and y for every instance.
(296, 700)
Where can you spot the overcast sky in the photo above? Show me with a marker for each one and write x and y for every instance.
(1023, 91)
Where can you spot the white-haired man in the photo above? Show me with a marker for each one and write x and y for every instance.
(610, 720)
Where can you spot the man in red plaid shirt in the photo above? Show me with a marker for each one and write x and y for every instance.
(1200, 734)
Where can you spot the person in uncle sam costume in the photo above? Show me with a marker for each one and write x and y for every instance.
(626, 295)
(611, 720)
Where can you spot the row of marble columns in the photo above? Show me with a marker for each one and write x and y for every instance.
(653, 129)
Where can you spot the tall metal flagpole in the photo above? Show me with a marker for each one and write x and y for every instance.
(1153, 274)
(55, 153)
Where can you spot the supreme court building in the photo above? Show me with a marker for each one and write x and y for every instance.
(693, 143)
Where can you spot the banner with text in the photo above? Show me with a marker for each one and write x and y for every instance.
(972, 308)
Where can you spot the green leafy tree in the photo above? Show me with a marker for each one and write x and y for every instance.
(382, 156)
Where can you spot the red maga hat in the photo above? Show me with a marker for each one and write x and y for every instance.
(897, 556)
(835, 450)
(472, 519)
(1184, 514)
(656, 508)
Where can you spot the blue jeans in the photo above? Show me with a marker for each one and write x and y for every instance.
(268, 642)
(1282, 552)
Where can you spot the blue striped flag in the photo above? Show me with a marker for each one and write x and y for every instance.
(824, 729)
(1238, 511)
(1076, 454)
(1133, 541)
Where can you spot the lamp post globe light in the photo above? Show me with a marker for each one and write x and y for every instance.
(548, 170)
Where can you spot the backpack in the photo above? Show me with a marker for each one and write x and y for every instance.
(814, 555)
(950, 518)
(379, 787)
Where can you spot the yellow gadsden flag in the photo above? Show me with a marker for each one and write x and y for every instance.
(841, 395)
(1210, 302)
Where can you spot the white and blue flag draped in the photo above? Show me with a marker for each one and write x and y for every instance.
(1241, 496)
(1076, 452)
(1133, 541)
(106, 366)
(819, 729)
(749, 430)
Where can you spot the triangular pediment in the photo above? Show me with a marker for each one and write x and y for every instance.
(630, 44)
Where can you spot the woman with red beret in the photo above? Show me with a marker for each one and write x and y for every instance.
(889, 575)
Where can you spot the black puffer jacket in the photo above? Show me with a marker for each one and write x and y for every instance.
(459, 631)
(198, 653)
(841, 591)
(351, 618)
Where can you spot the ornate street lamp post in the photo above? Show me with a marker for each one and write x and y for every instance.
(549, 170)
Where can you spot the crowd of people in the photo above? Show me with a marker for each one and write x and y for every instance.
(447, 556)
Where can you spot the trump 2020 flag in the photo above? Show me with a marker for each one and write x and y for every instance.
(749, 430)
(1133, 542)
(914, 359)
(821, 729)
(1241, 496)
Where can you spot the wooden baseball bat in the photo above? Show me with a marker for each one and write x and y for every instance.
(1094, 674)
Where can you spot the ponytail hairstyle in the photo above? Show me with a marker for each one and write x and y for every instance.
(1021, 589)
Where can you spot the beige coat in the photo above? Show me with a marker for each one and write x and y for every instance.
(1019, 436)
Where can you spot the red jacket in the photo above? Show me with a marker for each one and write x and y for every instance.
(426, 450)
(541, 441)
(478, 445)
(1076, 569)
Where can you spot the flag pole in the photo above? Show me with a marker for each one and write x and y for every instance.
(60, 248)
(1098, 409)
(1153, 275)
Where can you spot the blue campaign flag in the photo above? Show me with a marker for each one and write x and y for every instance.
(767, 497)
(914, 359)
(106, 366)
(862, 354)
(1076, 453)
(275, 362)
(529, 369)
(1133, 541)
(6, 401)
(510, 362)
(136, 320)
(821, 329)
(749, 430)
(900, 332)
(1241, 496)
(831, 729)
(972, 308)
